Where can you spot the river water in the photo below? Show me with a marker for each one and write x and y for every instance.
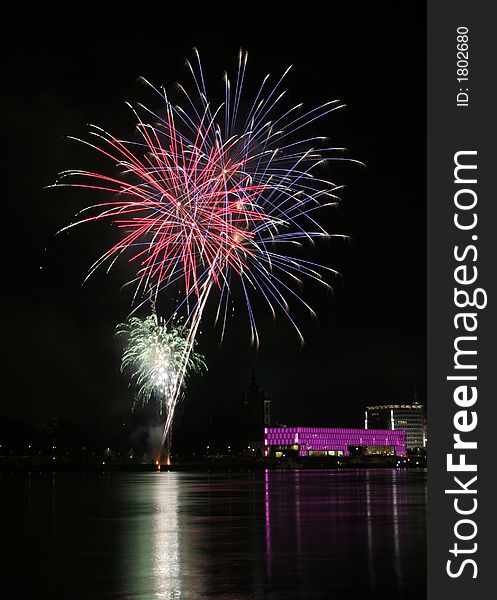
(277, 535)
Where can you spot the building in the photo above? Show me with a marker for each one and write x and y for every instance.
(255, 416)
(256, 408)
(325, 441)
(409, 417)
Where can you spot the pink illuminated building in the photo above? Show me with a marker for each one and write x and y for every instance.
(327, 441)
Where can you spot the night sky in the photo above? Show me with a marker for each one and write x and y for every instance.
(67, 69)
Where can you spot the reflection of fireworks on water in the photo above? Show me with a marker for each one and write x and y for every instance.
(208, 195)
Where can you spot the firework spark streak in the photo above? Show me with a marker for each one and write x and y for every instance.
(207, 195)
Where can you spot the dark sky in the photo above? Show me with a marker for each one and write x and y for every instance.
(69, 68)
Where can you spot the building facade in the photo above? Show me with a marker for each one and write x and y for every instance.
(326, 441)
(255, 411)
(396, 417)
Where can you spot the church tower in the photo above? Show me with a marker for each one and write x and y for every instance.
(256, 410)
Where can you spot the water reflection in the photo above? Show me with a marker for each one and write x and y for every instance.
(394, 475)
(332, 531)
(274, 535)
(369, 529)
(268, 524)
(151, 548)
(277, 535)
(166, 547)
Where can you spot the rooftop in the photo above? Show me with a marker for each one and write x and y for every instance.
(414, 406)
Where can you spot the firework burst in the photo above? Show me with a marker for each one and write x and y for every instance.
(209, 194)
(158, 358)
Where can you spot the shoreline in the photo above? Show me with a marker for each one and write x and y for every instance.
(220, 464)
